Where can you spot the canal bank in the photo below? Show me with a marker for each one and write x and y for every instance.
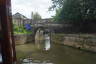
(82, 41)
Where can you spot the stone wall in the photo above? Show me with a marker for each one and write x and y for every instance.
(23, 38)
(82, 41)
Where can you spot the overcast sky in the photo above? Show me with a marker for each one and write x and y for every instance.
(25, 7)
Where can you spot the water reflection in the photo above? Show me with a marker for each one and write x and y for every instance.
(39, 39)
(42, 40)
(58, 54)
(47, 42)
(28, 61)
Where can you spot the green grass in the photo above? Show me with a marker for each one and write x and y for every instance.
(21, 30)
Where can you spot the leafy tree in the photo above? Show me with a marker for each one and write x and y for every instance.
(36, 16)
(75, 9)
(57, 4)
(56, 17)
(79, 12)
(69, 11)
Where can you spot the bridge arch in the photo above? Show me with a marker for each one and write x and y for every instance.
(43, 38)
(44, 30)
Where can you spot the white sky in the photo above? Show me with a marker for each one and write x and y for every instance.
(25, 7)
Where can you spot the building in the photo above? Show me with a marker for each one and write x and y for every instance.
(19, 20)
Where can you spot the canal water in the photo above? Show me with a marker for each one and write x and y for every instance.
(57, 54)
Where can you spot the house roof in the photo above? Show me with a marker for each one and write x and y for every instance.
(18, 15)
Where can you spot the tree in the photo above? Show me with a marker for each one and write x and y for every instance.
(57, 4)
(68, 11)
(36, 16)
(75, 9)
(79, 12)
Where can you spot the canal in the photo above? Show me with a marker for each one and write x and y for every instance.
(57, 54)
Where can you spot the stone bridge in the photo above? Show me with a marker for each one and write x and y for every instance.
(52, 27)
(46, 26)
